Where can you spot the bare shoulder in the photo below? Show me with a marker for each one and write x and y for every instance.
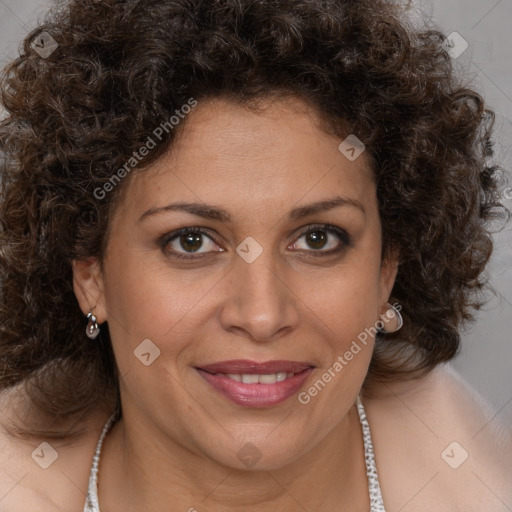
(439, 444)
(44, 475)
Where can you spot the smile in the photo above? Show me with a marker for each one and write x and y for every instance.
(252, 384)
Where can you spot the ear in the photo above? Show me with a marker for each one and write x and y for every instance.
(88, 287)
(388, 272)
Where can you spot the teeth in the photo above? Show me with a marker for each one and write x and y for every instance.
(271, 378)
(250, 379)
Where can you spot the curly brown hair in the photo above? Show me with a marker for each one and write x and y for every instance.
(124, 66)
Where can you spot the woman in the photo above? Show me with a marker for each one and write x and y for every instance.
(236, 236)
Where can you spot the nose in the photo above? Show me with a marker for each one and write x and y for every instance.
(259, 303)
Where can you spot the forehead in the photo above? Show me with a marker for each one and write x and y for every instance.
(252, 159)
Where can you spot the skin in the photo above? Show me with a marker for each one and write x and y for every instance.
(288, 304)
(176, 446)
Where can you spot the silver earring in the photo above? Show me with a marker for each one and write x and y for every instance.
(93, 329)
(393, 314)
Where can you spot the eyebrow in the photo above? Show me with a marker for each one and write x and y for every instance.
(213, 212)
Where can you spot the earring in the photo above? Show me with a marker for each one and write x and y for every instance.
(93, 329)
(392, 315)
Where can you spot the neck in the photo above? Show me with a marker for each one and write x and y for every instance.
(148, 471)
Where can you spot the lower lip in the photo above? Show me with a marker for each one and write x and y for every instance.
(256, 395)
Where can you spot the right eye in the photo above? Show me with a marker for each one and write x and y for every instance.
(187, 242)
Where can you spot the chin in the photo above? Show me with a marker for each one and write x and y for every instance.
(256, 456)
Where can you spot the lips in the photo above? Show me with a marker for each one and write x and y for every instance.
(253, 384)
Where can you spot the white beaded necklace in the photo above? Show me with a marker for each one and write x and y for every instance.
(376, 502)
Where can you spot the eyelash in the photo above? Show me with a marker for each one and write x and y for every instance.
(345, 240)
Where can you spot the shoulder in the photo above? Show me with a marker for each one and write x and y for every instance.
(440, 445)
(44, 475)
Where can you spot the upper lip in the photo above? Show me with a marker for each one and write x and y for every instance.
(244, 366)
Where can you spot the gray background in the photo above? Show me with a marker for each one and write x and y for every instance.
(486, 356)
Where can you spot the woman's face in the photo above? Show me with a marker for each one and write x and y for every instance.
(252, 287)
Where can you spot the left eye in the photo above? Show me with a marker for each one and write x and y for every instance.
(323, 238)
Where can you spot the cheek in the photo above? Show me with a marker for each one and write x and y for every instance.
(145, 299)
(347, 297)
(349, 316)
